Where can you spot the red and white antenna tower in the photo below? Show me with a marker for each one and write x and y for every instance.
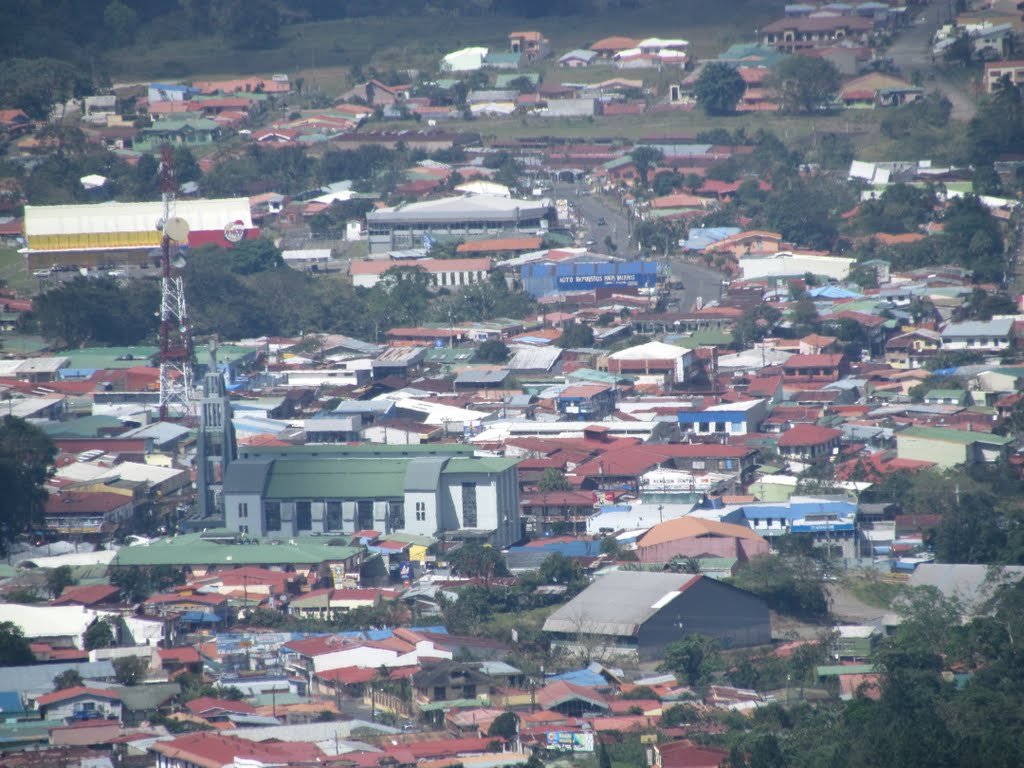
(176, 353)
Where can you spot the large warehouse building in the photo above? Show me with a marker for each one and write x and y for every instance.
(126, 233)
(637, 614)
(469, 218)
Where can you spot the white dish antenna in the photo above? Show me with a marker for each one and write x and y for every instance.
(177, 229)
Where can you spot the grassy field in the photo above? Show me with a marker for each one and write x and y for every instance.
(394, 43)
(874, 590)
(13, 272)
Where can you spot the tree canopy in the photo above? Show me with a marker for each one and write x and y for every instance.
(719, 88)
(806, 83)
(26, 461)
(14, 648)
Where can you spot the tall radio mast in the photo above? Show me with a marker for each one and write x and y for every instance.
(176, 354)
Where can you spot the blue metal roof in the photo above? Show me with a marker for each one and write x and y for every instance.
(833, 292)
(567, 548)
(710, 417)
(200, 617)
(10, 703)
(799, 510)
(585, 677)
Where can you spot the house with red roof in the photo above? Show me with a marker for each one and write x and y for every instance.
(207, 749)
(175, 660)
(329, 603)
(808, 443)
(80, 703)
(824, 368)
(571, 700)
(318, 654)
(88, 595)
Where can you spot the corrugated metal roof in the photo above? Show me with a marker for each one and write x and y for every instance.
(423, 473)
(201, 215)
(618, 603)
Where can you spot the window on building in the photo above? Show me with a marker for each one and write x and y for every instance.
(469, 517)
(364, 514)
(333, 522)
(396, 515)
(303, 516)
(273, 515)
(243, 510)
(243, 529)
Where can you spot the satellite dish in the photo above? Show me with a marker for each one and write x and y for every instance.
(177, 229)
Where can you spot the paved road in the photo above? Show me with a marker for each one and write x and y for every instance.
(699, 282)
(911, 51)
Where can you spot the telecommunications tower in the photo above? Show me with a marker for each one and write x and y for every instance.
(176, 374)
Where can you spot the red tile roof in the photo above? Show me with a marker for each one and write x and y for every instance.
(86, 595)
(75, 692)
(807, 434)
(213, 750)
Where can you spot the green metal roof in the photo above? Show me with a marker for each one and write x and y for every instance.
(86, 426)
(110, 357)
(364, 450)
(600, 377)
(710, 337)
(331, 479)
(835, 670)
(959, 394)
(478, 465)
(190, 549)
(962, 436)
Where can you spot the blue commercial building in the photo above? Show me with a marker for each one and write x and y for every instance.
(547, 279)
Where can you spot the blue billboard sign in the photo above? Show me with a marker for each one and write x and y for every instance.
(545, 279)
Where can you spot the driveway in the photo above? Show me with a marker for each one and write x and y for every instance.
(911, 50)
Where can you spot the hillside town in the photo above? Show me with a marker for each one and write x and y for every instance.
(526, 410)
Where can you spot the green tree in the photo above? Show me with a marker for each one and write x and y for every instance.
(139, 582)
(576, 335)
(35, 85)
(691, 659)
(69, 678)
(756, 323)
(644, 158)
(791, 585)
(99, 634)
(476, 560)
(553, 480)
(492, 351)
(26, 462)
(559, 569)
(806, 83)
(972, 530)
(98, 311)
(58, 579)
(719, 88)
(249, 24)
(129, 670)
(14, 648)
(504, 726)
(121, 20)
